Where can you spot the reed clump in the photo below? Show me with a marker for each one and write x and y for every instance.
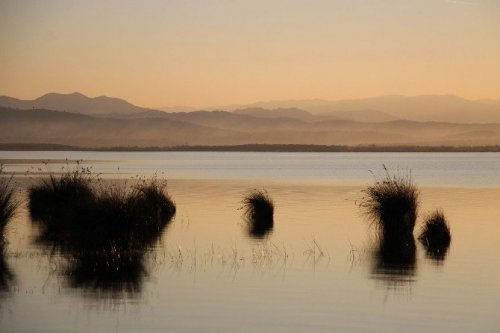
(104, 229)
(8, 202)
(78, 216)
(392, 204)
(258, 209)
(57, 200)
(435, 235)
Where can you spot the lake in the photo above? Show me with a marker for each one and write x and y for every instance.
(318, 270)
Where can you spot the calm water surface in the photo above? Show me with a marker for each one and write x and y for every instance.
(318, 270)
(450, 169)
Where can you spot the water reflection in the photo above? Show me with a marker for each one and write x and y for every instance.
(260, 229)
(6, 274)
(436, 252)
(111, 275)
(394, 261)
(107, 273)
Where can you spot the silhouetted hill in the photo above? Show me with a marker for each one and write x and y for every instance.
(57, 127)
(224, 119)
(447, 108)
(276, 113)
(442, 108)
(75, 102)
(372, 116)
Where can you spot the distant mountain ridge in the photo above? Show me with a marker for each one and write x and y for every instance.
(441, 108)
(447, 108)
(75, 103)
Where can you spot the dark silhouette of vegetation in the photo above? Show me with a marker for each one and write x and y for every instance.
(8, 202)
(8, 206)
(60, 203)
(258, 210)
(6, 275)
(103, 229)
(392, 203)
(115, 275)
(435, 235)
(255, 148)
(394, 260)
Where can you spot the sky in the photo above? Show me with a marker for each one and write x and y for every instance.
(207, 53)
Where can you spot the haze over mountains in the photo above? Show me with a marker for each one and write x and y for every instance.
(75, 119)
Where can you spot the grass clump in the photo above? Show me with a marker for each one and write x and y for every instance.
(258, 210)
(73, 212)
(103, 228)
(435, 235)
(392, 203)
(8, 202)
(59, 197)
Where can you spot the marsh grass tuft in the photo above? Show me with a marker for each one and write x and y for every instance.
(392, 204)
(59, 197)
(435, 235)
(74, 212)
(8, 202)
(104, 228)
(258, 209)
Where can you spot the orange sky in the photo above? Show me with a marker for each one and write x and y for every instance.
(204, 53)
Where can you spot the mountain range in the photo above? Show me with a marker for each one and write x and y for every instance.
(444, 108)
(74, 119)
(75, 103)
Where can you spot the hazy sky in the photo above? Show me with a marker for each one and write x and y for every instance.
(198, 53)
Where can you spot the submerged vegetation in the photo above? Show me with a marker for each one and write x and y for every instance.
(258, 210)
(105, 229)
(435, 235)
(392, 203)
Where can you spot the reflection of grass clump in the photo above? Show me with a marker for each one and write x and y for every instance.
(258, 210)
(8, 204)
(391, 203)
(435, 235)
(396, 257)
(114, 274)
(6, 275)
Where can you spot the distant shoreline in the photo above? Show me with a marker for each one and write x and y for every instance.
(252, 148)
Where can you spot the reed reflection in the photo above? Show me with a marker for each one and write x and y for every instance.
(394, 261)
(6, 275)
(9, 204)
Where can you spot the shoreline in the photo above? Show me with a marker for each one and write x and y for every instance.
(256, 148)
